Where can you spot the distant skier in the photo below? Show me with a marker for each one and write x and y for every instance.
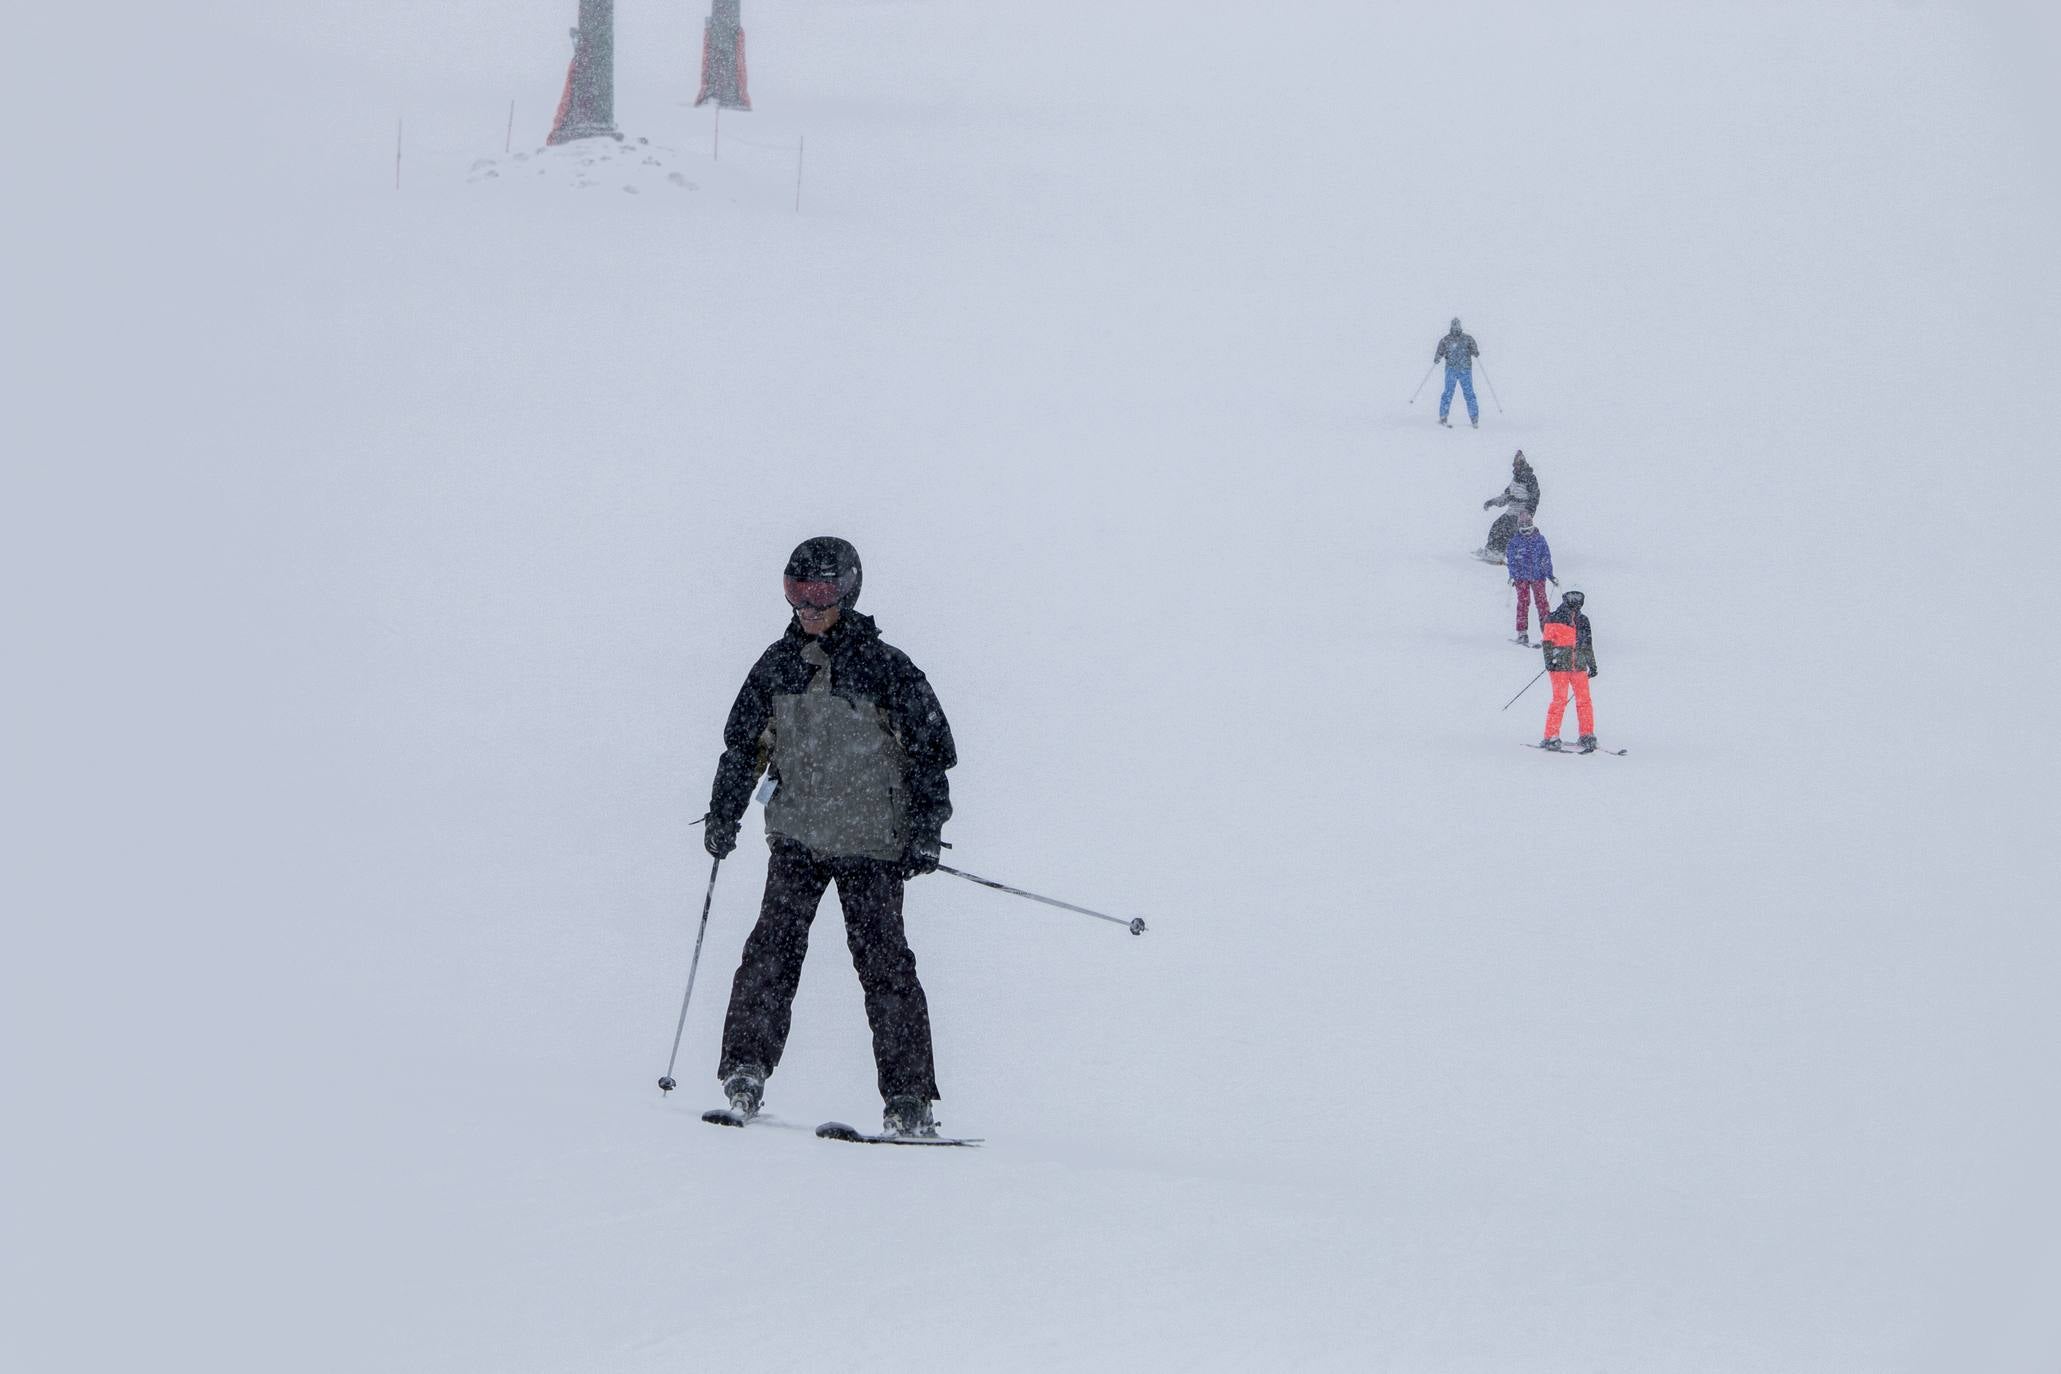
(1458, 351)
(856, 745)
(1522, 495)
(1530, 562)
(1571, 659)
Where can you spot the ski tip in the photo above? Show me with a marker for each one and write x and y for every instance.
(837, 1130)
(719, 1116)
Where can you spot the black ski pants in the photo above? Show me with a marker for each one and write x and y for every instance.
(762, 994)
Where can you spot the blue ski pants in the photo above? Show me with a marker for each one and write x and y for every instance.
(1464, 379)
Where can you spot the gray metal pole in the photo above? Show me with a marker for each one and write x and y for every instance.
(1427, 377)
(1522, 690)
(1136, 924)
(1492, 388)
(666, 1084)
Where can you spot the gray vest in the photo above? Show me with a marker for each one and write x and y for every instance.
(841, 787)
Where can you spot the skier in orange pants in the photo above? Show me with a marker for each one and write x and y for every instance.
(1571, 659)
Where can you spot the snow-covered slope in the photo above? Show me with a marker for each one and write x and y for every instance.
(434, 530)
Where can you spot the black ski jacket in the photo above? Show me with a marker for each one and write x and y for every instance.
(1580, 657)
(876, 681)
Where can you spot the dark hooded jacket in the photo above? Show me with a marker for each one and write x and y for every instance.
(852, 736)
(1523, 491)
(1580, 656)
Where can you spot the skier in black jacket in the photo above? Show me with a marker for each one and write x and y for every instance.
(1521, 495)
(856, 746)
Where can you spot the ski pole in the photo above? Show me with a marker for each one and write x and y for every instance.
(1522, 690)
(666, 1084)
(1136, 925)
(1492, 390)
(1427, 377)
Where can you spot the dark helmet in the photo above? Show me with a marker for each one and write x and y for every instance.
(823, 572)
(1456, 324)
(1573, 598)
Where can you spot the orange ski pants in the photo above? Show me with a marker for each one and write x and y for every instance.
(1584, 713)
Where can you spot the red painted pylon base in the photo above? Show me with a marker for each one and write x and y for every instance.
(738, 98)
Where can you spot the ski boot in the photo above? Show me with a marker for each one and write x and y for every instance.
(1552, 744)
(908, 1116)
(746, 1088)
(1523, 639)
(1474, 424)
(1444, 421)
(1587, 743)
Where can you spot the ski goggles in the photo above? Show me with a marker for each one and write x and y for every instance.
(812, 596)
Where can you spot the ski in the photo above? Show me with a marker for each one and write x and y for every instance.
(723, 1116)
(837, 1130)
(1599, 750)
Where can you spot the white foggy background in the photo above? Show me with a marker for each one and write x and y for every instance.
(385, 563)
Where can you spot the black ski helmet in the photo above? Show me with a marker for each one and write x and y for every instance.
(826, 559)
(1456, 324)
(1573, 598)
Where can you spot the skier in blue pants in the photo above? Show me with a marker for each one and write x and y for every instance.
(1459, 351)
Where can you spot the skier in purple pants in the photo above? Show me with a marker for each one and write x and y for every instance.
(1530, 562)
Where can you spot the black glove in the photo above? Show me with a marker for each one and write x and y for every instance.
(719, 838)
(1594, 673)
(919, 856)
(1486, 504)
(1554, 580)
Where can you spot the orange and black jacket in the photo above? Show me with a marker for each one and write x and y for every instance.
(1566, 637)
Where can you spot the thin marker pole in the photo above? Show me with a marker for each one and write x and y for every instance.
(800, 142)
(508, 145)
